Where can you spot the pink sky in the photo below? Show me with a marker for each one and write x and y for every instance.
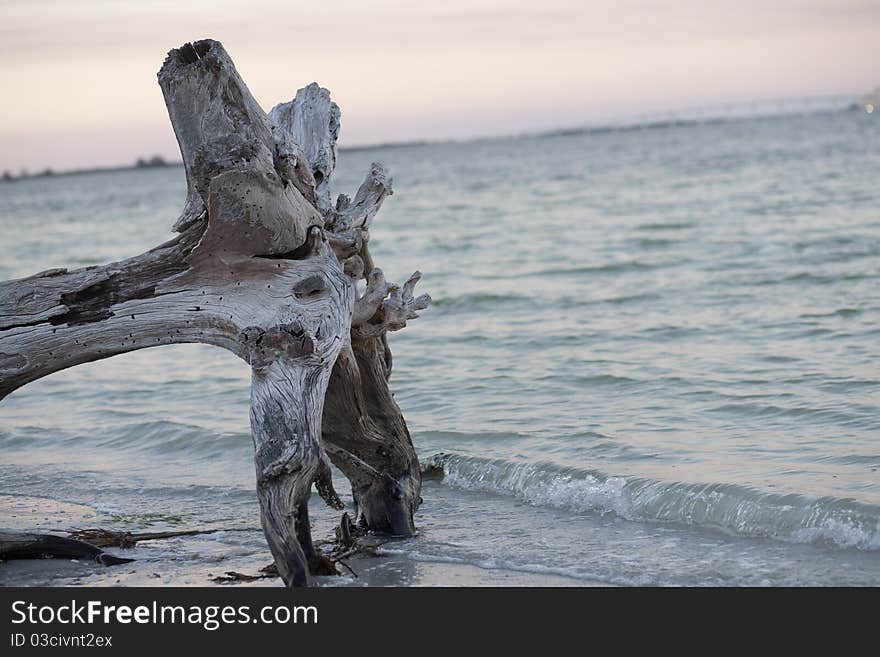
(79, 76)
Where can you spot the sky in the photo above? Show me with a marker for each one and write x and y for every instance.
(78, 77)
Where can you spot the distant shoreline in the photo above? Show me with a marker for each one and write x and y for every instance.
(158, 163)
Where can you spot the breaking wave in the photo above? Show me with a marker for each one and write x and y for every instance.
(734, 509)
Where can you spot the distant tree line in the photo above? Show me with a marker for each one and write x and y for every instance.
(140, 163)
(155, 161)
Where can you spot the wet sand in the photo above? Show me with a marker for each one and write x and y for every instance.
(196, 560)
(63, 572)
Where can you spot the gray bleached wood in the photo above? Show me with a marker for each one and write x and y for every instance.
(250, 272)
(312, 120)
(265, 267)
(364, 431)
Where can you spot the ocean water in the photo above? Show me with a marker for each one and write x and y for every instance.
(653, 358)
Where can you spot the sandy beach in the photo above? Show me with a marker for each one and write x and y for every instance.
(388, 569)
(372, 571)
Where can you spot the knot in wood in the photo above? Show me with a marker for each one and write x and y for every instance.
(287, 341)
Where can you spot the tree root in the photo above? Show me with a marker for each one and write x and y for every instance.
(231, 576)
(346, 543)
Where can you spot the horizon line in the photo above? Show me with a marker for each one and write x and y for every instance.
(682, 117)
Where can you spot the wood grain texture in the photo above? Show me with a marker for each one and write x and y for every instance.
(264, 266)
(364, 431)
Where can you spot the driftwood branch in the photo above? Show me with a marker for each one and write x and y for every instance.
(264, 266)
(25, 545)
(102, 538)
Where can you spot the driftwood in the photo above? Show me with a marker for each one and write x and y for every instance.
(102, 538)
(231, 576)
(25, 545)
(364, 432)
(265, 265)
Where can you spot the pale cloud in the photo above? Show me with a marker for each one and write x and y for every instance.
(78, 76)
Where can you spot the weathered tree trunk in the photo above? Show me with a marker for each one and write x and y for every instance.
(264, 266)
(364, 431)
(367, 438)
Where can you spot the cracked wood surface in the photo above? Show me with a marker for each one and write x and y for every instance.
(265, 266)
(364, 431)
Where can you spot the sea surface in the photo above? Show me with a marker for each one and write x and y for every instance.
(653, 358)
